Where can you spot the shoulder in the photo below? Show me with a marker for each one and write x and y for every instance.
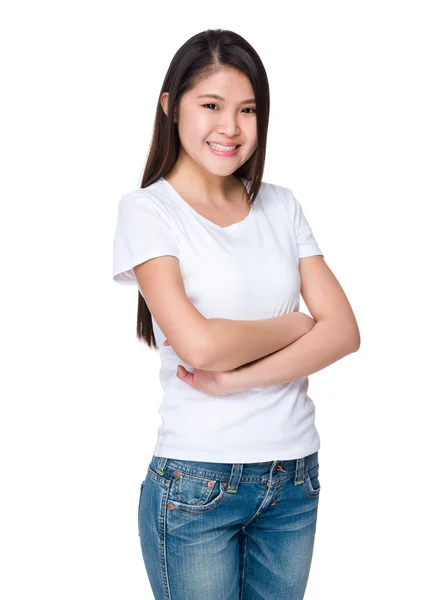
(147, 196)
(275, 191)
(273, 188)
(150, 200)
(275, 196)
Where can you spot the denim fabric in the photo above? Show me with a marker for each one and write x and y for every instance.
(222, 531)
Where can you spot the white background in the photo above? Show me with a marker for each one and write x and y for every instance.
(359, 131)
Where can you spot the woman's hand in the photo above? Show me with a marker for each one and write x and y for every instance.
(218, 383)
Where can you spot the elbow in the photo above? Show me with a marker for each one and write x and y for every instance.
(202, 358)
(198, 354)
(355, 347)
(190, 342)
(196, 359)
(192, 355)
(355, 341)
(348, 333)
(204, 355)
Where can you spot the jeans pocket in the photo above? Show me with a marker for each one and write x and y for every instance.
(312, 483)
(195, 494)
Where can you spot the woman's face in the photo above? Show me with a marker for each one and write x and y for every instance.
(230, 119)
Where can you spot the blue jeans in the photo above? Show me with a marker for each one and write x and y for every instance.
(223, 531)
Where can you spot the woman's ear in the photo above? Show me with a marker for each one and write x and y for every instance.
(164, 103)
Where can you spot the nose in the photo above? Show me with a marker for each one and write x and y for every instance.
(228, 125)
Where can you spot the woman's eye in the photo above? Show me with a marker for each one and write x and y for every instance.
(248, 108)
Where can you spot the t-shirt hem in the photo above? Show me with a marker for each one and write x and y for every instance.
(306, 250)
(164, 451)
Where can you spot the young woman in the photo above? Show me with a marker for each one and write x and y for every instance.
(228, 506)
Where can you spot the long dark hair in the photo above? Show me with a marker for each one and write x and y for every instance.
(200, 56)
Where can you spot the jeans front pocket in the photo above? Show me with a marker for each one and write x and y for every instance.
(192, 493)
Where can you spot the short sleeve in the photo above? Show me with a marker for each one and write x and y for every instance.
(141, 233)
(306, 242)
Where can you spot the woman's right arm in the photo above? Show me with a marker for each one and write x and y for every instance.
(211, 344)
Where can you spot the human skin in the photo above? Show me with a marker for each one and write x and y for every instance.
(222, 383)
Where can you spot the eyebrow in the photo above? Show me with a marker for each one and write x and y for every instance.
(251, 100)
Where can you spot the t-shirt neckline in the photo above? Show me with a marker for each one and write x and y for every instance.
(188, 207)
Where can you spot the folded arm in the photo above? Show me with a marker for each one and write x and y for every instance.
(283, 348)
(211, 344)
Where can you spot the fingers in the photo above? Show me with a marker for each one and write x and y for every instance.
(185, 375)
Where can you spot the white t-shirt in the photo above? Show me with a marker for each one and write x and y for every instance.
(248, 270)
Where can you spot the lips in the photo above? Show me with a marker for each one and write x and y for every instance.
(222, 144)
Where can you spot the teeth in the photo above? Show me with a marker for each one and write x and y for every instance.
(222, 148)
